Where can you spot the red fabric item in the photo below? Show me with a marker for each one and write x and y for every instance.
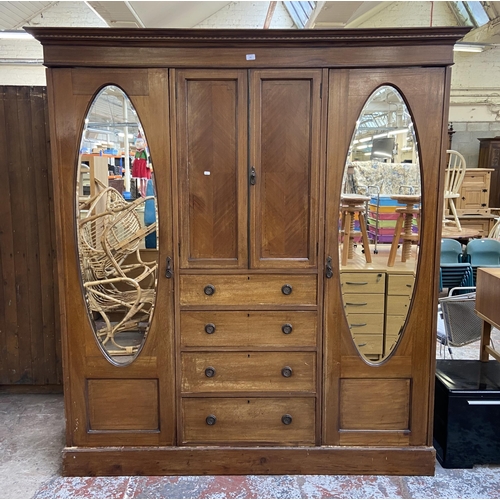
(140, 168)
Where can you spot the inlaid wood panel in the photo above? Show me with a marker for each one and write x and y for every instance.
(248, 420)
(285, 124)
(248, 371)
(248, 290)
(238, 329)
(212, 165)
(364, 404)
(121, 404)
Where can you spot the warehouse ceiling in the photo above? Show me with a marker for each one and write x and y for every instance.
(187, 14)
(156, 14)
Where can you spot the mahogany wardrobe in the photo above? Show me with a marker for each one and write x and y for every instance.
(248, 362)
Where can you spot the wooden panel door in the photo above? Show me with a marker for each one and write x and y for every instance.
(107, 404)
(285, 156)
(365, 403)
(212, 164)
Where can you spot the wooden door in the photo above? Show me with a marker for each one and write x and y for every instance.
(285, 156)
(364, 403)
(106, 404)
(211, 116)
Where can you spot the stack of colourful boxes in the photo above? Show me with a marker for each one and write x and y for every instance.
(386, 216)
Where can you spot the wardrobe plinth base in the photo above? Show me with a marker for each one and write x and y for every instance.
(173, 461)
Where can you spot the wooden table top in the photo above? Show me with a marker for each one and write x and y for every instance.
(465, 234)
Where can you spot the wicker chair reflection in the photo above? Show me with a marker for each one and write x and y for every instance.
(116, 285)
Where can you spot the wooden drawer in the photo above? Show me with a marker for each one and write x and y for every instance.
(400, 284)
(362, 282)
(252, 329)
(363, 303)
(248, 290)
(248, 421)
(483, 224)
(369, 343)
(398, 305)
(394, 324)
(390, 343)
(366, 323)
(248, 371)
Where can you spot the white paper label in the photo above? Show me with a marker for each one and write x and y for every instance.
(250, 57)
(206, 172)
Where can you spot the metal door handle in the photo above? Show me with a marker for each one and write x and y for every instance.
(168, 269)
(329, 270)
(253, 176)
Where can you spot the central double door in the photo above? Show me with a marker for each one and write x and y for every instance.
(249, 148)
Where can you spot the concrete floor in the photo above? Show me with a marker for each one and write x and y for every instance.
(32, 437)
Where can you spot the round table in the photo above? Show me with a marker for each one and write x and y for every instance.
(462, 236)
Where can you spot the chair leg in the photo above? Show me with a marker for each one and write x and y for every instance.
(455, 215)
(347, 238)
(364, 235)
(395, 241)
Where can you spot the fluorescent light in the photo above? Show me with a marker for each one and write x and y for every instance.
(364, 146)
(400, 131)
(406, 149)
(379, 136)
(15, 35)
(381, 153)
(366, 154)
(365, 139)
(468, 47)
(355, 141)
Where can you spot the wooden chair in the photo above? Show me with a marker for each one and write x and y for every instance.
(454, 177)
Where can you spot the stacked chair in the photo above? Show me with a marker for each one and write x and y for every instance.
(482, 253)
(453, 271)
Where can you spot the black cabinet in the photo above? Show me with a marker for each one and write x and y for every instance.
(467, 413)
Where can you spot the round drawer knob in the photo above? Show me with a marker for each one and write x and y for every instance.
(286, 419)
(210, 328)
(286, 289)
(286, 372)
(209, 372)
(211, 419)
(287, 328)
(209, 290)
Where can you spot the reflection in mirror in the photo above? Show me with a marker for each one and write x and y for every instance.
(117, 225)
(379, 224)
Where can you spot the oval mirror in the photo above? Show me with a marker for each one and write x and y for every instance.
(117, 225)
(379, 224)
